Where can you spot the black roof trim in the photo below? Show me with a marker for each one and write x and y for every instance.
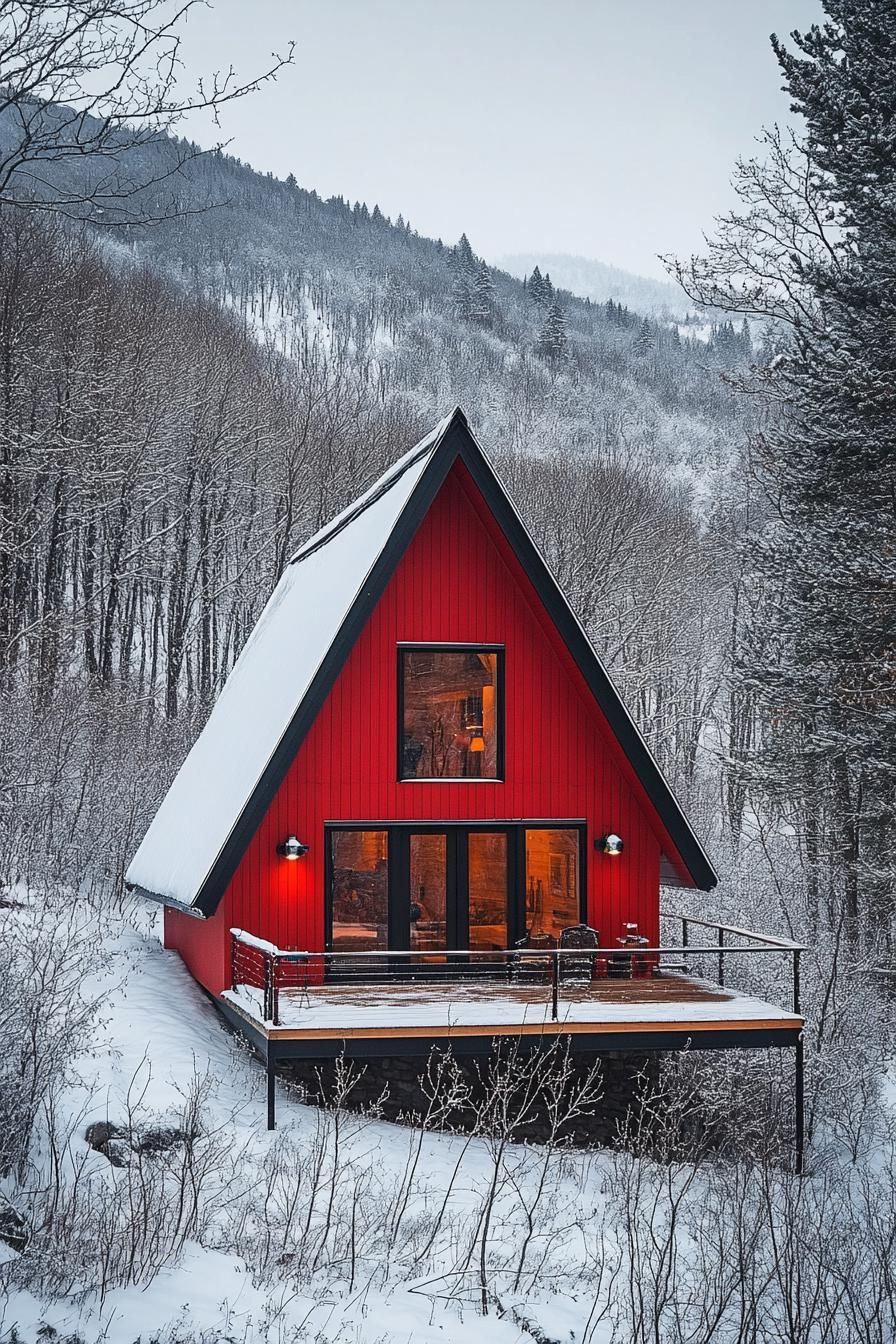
(589, 664)
(389, 478)
(455, 441)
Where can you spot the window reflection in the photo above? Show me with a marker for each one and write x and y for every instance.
(552, 880)
(429, 892)
(360, 890)
(450, 714)
(487, 885)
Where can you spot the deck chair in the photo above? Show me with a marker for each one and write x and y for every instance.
(525, 966)
(579, 938)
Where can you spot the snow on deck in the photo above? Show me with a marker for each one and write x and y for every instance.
(344, 1009)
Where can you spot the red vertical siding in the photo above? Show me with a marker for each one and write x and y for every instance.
(458, 581)
(204, 944)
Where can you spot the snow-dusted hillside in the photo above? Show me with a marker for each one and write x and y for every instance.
(187, 1222)
(598, 281)
(402, 314)
(331, 1229)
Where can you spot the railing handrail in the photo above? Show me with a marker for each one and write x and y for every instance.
(552, 957)
(687, 949)
(782, 944)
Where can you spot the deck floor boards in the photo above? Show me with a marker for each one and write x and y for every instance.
(659, 989)
(668, 1003)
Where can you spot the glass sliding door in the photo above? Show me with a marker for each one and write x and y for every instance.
(428, 904)
(432, 889)
(552, 880)
(487, 890)
(359, 891)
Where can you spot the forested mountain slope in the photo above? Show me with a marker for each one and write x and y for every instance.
(427, 322)
(185, 401)
(598, 281)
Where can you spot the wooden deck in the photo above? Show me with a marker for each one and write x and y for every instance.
(660, 1012)
(386, 1017)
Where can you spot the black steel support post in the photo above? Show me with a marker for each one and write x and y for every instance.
(799, 1106)
(684, 942)
(272, 1089)
(721, 957)
(271, 990)
(799, 1085)
(267, 1009)
(555, 985)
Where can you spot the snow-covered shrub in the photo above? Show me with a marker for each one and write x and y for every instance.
(47, 949)
(100, 1221)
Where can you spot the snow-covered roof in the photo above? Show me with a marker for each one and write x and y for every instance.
(268, 683)
(289, 662)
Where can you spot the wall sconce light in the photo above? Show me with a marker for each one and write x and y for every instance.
(292, 848)
(477, 742)
(609, 844)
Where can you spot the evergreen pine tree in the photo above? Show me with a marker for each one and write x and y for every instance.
(465, 254)
(552, 341)
(644, 339)
(463, 286)
(483, 296)
(821, 654)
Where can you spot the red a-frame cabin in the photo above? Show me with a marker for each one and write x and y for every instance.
(419, 752)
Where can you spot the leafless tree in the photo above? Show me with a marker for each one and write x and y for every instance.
(101, 83)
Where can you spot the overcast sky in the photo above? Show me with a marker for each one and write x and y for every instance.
(605, 128)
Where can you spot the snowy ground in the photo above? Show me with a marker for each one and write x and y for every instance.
(158, 1032)
(342, 1229)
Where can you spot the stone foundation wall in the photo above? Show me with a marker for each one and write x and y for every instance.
(393, 1085)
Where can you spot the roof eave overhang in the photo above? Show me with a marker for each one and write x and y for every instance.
(181, 906)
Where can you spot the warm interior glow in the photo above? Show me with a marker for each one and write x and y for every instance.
(360, 890)
(450, 714)
(552, 880)
(487, 885)
(429, 893)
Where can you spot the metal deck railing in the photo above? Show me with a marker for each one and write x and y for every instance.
(271, 969)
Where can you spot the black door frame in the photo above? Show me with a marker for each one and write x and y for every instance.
(398, 851)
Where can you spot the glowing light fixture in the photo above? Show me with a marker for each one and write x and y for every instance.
(292, 848)
(477, 742)
(609, 844)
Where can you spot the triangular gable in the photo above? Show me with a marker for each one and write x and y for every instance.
(293, 656)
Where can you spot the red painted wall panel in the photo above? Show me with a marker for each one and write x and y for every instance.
(204, 944)
(458, 581)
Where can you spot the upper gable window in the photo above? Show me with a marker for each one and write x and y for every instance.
(450, 712)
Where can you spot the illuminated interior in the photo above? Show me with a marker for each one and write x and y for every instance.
(360, 890)
(435, 906)
(450, 714)
(552, 881)
(429, 893)
(487, 890)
